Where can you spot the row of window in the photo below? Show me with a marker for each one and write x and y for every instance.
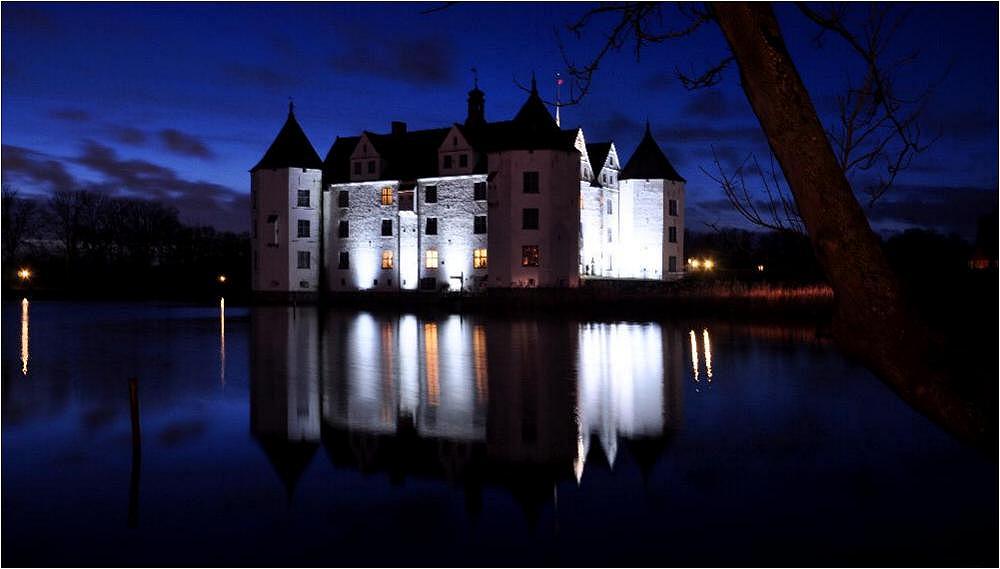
(529, 220)
(430, 195)
(430, 227)
(431, 259)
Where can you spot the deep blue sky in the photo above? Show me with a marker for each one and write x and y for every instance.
(178, 101)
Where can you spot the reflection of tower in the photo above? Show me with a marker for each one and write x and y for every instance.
(626, 389)
(531, 436)
(284, 388)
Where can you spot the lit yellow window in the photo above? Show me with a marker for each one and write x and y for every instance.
(431, 261)
(386, 259)
(479, 259)
(387, 196)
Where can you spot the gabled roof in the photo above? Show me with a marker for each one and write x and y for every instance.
(413, 154)
(649, 163)
(337, 164)
(598, 153)
(290, 149)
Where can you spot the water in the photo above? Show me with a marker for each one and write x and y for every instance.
(281, 436)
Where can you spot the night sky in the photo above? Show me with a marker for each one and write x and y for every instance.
(176, 102)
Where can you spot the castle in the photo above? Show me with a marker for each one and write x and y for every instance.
(475, 205)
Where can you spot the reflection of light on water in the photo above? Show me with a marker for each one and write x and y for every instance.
(431, 357)
(694, 354)
(222, 340)
(708, 354)
(388, 385)
(24, 336)
(479, 360)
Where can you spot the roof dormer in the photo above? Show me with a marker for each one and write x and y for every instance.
(366, 161)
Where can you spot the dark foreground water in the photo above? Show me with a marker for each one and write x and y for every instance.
(282, 436)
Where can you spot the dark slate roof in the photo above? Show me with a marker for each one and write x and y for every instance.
(337, 164)
(290, 149)
(649, 163)
(598, 153)
(289, 458)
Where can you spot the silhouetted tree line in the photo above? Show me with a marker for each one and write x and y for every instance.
(88, 243)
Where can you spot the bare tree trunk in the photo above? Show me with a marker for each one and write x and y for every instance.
(872, 320)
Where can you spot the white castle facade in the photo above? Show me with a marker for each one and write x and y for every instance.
(476, 205)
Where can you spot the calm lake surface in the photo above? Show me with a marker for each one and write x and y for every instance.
(281, 436)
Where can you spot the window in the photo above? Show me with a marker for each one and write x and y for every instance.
(479, 259)
(303, 198)
(386, 196)
(357, 168)
(479, 191)
(431, 194)
(386, 228)
(463, 160)
(673, 207)
(386, 259)
(529, 256)
(304, 259)
(609, 235)
(611, 208)
(431, 259)
(432, 226)
(529, 218)
(303, 228)
(342, 230)
(343, 199)
(371, 166)
(447, 161)
(672, 234)
(345, 260)
(479, 224)
(530, 182)
(672, 264)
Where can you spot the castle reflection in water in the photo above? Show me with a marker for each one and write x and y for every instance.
(521, 404)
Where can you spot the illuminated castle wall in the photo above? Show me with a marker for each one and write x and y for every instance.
(513, 203)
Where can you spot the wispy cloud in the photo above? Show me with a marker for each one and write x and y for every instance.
(423, 61)
(184, 144)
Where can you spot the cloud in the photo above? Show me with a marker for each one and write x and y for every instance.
(257, 76)
(128, 135)
(426, 61)
(184, 144)
(711, 103)
(70, 115)
(945, 209)
(26, 166)
(198, 201)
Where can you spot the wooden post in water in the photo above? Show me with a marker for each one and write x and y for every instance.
(133, 488)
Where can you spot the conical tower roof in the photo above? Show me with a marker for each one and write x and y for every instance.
(290, 149)
(649, 163)
(534, 114)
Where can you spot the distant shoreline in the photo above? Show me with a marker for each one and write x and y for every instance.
(606, 299)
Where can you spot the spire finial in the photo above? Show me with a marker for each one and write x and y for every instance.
(534, 84)
(648, 133)
(475, 78)
(291, 106)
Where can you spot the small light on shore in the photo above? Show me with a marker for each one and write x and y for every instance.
(695, 263)
(222, 278)
(760, 268)
(24, 274)
(709, 264)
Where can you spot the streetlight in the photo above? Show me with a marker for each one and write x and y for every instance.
(24, 274)
(222, 279)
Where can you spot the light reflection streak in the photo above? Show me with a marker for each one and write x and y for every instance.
(694, 355)
(708, 354)
(222, 340)
(479, 360)
(24, 336)
(431, 358)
